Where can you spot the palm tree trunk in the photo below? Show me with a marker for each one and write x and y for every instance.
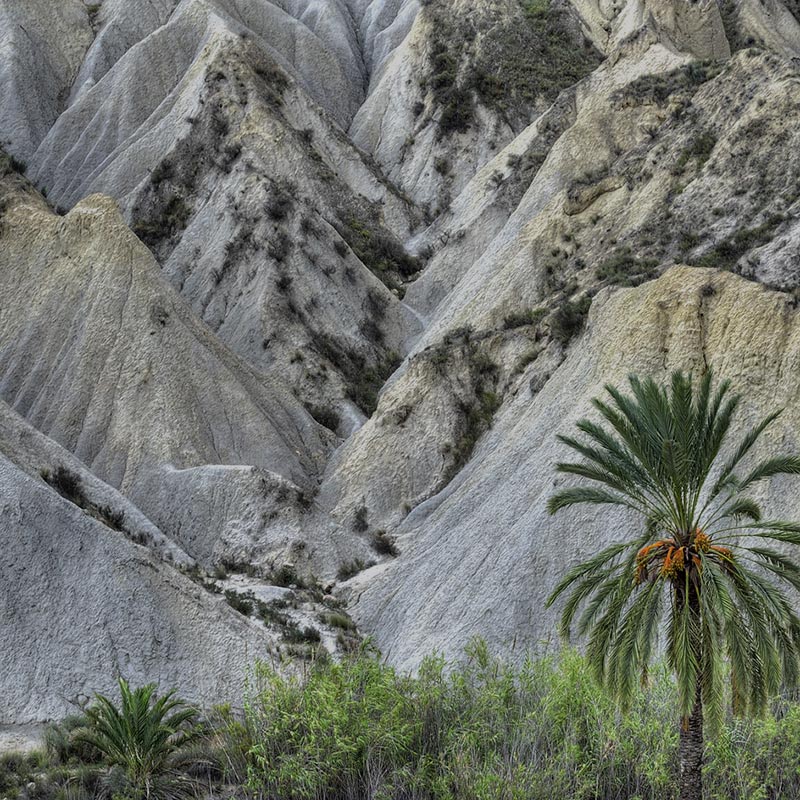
(690, 750)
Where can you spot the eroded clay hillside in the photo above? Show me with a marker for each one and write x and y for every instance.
(297, 294)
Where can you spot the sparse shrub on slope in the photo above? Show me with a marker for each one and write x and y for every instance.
(506, 63)
(69, 485)
(568, 319)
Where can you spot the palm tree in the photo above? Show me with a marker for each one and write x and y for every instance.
(145, 736)
(703, 578)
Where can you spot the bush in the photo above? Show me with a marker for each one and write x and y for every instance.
(504, 62)
(384, 545)
(568, 319)
(238, 602)
(351, 568)
(379, 251)
(295, 634)
(727, 253)
(145, 740)
(360, 729)
(360, 523)
(521, 319)
(484, 730)
(624, 269)
(341, 621)
(286, 575)
(279, 204)
(17, 165)
(67, 483)
(659, 88)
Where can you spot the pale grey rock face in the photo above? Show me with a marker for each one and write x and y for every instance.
(139, 381)
(201, 158)
(42, 45)
(101, 355)
(770, 23)
(309, 299)
(119, 25)
(40, 457)
(83, 605)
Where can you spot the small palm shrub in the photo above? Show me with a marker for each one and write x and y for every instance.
(145, 740)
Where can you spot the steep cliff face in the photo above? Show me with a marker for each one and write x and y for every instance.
(301, 292)
(91, 590)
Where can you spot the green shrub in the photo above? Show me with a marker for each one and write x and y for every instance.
(728, 252)
(69, 485)
(481, 729)
(341, 621)
(520, 319)
(294, 634)
(384, 545)
(286, 575)
(144, 739)
(699, 150)
(568, 319)
(624, 269)
(325, 415)
(360, 523)
(379, 251)
(505, 62)
(351, 568)
(485, 730)
(17, 165)
(659, 88)
(241, 603)
(360, 729)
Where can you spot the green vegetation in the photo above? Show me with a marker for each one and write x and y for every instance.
(384, 545)
(93, 10)
(504, 63)
(360, 729)
(659, 88)
(364, 379)
(727, 253)
(622, 268)
(378, 250)
(145, 739)
(281, 202)
(568, 319)
(351, 568)
(297, 635)
(699, 150)
(704, 573)
(326, 416)
(69, 485)
(169, 220)
(360, 523)
(481, 730)
(521, 319)
(730, 22)
(477, 405)
(17, 165)
(238, 602)
(337, 620)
